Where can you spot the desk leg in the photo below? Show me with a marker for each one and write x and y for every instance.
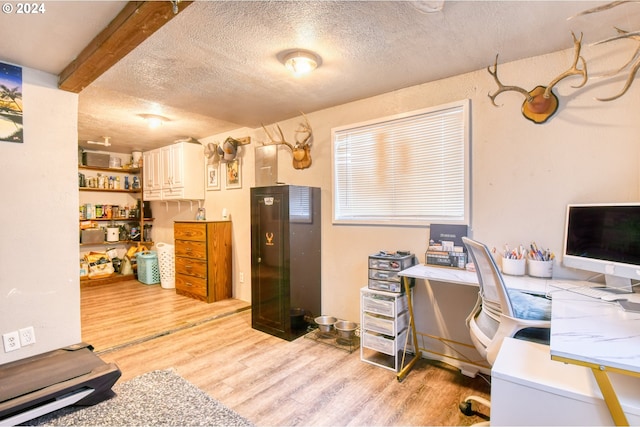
(412, 324)
(606, 388)
(610, 397)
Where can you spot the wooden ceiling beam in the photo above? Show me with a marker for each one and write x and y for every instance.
(137, 21)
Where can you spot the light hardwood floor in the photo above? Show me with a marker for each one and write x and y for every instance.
(270, 381)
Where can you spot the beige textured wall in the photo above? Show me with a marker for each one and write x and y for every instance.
(39, 281)
(523, 174)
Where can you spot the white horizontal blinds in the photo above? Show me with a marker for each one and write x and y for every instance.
(411, 168)
(300, 204)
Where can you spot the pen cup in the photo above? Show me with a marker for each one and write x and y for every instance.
(513, 267)
(538, 268)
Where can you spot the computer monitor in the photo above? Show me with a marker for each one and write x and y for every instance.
(604, 238)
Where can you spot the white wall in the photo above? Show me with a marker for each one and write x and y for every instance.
(39, 282)
(523, 175)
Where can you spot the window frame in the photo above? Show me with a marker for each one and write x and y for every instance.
(466, 123)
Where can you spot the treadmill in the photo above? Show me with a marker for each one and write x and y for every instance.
(40, 384)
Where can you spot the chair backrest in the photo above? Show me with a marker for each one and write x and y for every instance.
(493, 291)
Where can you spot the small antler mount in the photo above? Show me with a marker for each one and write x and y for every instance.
(541, 103)
(301, 150)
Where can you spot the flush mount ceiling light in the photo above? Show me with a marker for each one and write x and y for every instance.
(428, 6)
(300, 62)
(154, 120)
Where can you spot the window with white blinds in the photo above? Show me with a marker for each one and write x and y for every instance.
(406, 169)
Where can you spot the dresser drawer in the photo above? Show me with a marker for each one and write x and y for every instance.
(191, 267)
(191, 285)
(190, 231)
(191, 249)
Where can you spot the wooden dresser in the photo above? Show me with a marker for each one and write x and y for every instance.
(203, 259)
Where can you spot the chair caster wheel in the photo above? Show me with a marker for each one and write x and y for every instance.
(465, 408)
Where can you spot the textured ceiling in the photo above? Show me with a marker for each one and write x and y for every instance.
(214, 67)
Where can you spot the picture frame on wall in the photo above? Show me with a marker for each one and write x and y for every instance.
(233, 174)
(213, 177)
(11, 129)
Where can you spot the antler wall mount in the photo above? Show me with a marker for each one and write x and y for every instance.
(301, 150)
(634, 62)
(541, 103)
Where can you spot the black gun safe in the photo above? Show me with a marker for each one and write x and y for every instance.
(285, 259)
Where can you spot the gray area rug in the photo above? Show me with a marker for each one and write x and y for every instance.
(157, 398)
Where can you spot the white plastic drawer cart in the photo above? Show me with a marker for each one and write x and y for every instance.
(386, 325)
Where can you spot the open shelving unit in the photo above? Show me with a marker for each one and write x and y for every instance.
(136, 195)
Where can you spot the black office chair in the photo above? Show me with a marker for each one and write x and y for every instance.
(500, 313)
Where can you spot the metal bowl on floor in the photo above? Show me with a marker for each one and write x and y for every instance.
(346, 329)
(325, 323)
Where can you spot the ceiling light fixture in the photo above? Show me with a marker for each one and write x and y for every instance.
(154, 120)
(300, 62)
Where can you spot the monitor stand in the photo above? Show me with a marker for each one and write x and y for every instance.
(618, 284)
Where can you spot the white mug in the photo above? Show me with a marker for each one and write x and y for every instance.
(225, 213)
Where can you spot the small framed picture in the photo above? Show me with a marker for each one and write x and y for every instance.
(233, 175)
(213, 177)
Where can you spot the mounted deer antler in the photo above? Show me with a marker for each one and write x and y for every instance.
(634, 61)
(302, 149)
(541, 103)
(600, 8)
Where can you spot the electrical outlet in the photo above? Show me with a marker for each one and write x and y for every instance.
(241, 277)
(27, 336)
(11, 341)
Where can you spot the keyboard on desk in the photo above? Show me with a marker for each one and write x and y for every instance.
(593, 290)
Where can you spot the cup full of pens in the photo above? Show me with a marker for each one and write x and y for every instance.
(540, 262)
(514, 260)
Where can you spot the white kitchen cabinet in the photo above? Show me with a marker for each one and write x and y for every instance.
(152, 181)
(180, 172)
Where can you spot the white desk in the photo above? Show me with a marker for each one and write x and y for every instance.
(584, 331)
(598, 335)
(470, 278)
(528, 388)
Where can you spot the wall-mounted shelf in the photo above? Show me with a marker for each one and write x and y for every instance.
(119, 242)
(118, 219)
(110, 190)
(132, 171)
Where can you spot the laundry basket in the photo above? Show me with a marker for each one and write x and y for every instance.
(148, 271)
(166, 261)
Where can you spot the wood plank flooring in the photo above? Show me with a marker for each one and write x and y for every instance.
(114, 314)
(270, 381)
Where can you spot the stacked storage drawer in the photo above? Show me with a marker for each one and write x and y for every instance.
(384, 268)
(384, 326)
